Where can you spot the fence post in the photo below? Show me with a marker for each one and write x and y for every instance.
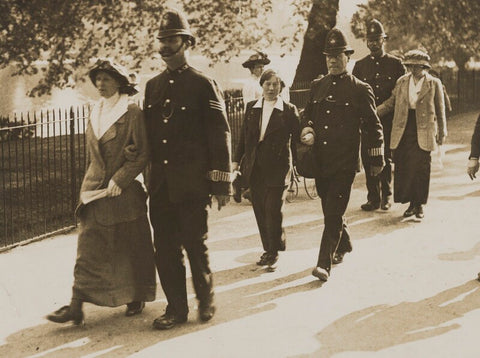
(72, 163)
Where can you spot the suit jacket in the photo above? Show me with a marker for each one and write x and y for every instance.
(274, 153)
(120, 154)
(430, 111)
(189, 135)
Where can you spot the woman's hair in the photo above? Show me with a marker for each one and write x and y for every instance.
(119, 73)
(268, 74)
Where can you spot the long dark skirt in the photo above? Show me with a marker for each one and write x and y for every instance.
(115, 263)
(412, 167)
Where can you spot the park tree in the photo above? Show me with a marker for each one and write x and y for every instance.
(59, 38)
(446, 29)
(321, 18)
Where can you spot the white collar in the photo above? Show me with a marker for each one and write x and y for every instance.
(278, 104)
(106, 112)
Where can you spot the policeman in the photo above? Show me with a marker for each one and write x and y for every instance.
(381, 71)
(189, 140)
(339, 107)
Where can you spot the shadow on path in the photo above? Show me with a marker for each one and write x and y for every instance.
(108, 330)
(380, 327)
(462, 255)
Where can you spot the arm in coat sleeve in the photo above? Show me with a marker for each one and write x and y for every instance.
(295, 131)
(371, 126)
(240, 150)
(218, 139)
(388, 105)
(137, 161)
(475, 144)
(440, 110)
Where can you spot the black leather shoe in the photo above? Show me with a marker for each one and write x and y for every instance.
(247, 195)
(272, 262)
(419, 212)
(338, 258)
(386, 203)
(65, 314)
(272, 258)
(320, 273)
(206, 312)
(134, 308)
(369, 206)
(168, 321)
(263, 259)
(237, 190)
(411, 210)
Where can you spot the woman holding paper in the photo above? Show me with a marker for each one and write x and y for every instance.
(115, 263)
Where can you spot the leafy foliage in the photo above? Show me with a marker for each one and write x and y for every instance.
(447, 29)
(322, 18)
(59, 38)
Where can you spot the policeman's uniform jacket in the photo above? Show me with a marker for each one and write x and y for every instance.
(339, 108)
(381, 73)
(189, 135)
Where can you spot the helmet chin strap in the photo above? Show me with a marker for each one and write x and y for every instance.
(178, 50)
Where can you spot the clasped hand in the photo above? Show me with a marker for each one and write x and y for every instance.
(374, 170)
(113, 189)
(307, 136)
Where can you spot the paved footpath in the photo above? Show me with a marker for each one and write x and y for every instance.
(407, 290)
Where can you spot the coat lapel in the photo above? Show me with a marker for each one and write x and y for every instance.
(425, 88)
(111, 132)
(254, 123)
(93, 145)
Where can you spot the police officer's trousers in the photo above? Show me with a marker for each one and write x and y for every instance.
(334, 192)
(380, 186)
(179, 226)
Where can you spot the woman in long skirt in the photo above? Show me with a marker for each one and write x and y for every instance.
(418, 126)
(115, 262)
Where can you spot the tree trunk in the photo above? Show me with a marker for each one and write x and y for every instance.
(322, 18)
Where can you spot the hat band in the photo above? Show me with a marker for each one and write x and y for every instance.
(337, 50)
(173, 32)
(417, 62)
(375, 36)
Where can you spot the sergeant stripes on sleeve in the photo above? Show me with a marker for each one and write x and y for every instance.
(373, 152)
(219, 106)
(218, 175)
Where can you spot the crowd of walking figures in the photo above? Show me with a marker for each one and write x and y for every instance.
(181, 143)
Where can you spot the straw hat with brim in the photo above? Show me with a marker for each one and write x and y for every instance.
(336, 43)
(116, 71)
(417, 57)
(174, 23)
(258, 58)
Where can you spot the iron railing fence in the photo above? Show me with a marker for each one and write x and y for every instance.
(42, 161)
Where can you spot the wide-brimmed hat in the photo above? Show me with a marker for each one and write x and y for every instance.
(174, 23)
(257, 58)
(417, 57)
(117, 71)
(375, 30)
(336, 43)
